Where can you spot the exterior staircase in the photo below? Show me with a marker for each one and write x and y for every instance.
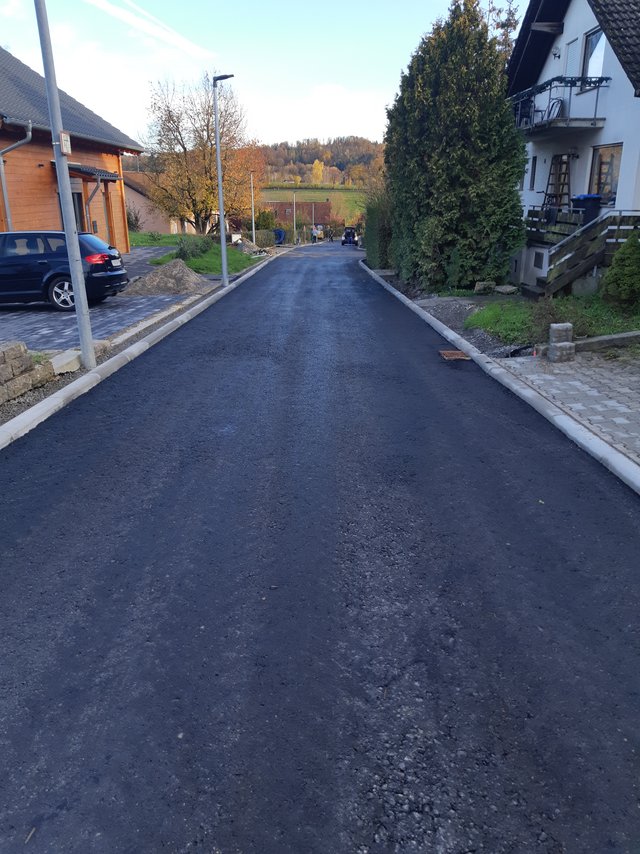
(591, 246)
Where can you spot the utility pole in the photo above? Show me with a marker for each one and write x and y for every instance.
(295, 233)
(60, 139)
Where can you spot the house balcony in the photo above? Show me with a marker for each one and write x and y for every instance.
(559, 105)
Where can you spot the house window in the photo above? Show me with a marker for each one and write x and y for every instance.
(593, 60)
(605, 171)
(538, 260)
(532, 173)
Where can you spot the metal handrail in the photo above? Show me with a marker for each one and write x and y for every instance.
(527, 118)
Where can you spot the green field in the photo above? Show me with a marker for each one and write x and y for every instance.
(346, 205)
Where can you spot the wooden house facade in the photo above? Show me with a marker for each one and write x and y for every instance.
(29, 191)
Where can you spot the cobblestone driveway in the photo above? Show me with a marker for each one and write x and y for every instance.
(603, 394)
(41, 327)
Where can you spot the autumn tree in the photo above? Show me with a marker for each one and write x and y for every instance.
(182, 153)
(317, 171)
(454, 157)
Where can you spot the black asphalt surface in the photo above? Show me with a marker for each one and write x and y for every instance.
(289, 582)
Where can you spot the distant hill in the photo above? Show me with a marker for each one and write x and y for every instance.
(347, 161)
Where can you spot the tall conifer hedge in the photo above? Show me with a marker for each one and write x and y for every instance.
(454, 158)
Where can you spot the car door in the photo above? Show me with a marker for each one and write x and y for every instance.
(22, 266)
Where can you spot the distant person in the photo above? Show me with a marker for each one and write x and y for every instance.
(314, 235)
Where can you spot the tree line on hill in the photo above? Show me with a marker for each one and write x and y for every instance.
(350, 161)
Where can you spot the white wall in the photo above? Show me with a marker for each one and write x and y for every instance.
(616, 103)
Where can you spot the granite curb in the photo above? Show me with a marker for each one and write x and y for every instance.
(617, 462)
(26, 421)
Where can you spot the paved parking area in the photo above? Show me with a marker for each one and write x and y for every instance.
(41, 327)
(601, 393)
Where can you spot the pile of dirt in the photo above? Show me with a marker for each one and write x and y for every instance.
(172, 278)
(249, 248)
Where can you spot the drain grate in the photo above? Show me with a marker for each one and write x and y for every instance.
(454, 355)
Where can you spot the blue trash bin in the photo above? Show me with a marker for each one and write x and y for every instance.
(589, 204)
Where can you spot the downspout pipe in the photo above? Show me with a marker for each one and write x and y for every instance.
(3, 182)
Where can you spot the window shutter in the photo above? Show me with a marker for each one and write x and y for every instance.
(572, 68)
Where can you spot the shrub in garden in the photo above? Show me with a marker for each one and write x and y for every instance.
(264, 238)
(134, 219)
(192, 246)
(622, 280)
(378, 219)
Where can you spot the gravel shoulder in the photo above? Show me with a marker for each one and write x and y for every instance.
(453, 311)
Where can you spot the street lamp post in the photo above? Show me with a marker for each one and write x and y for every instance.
(87, 351)
(253, 213)
(223, 227)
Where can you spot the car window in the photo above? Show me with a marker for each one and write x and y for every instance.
(91, 243)
(57, 244)
(24, 244)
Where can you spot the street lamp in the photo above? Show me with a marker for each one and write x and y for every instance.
(223, 228)
(87, 350)
(253, 213)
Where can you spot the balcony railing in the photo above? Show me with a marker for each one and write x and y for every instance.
(553, 103)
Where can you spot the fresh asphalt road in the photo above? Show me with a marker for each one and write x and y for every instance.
(289, 582)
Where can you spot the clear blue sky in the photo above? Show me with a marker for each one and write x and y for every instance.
(299, 71)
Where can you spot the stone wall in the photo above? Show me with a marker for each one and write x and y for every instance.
(18, 373)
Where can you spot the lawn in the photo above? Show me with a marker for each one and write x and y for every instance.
(520, 322)
(346, 204)
(211, 261)
(152, 238)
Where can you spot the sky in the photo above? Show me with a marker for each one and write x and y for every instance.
(300, 72)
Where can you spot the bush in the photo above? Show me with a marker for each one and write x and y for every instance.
(264, 238)
(265, 219)
(134, 219)
(378, 219)
(192, 246)
(622, 280)
(154, 236)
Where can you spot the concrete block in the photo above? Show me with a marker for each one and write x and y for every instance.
(17, 386)
(563, 351)
(560, 333)
(6, 373)
(507, 290)
(66, 362)
(4, 397)
(484, 287)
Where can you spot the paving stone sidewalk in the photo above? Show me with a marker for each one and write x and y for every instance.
(602, 394)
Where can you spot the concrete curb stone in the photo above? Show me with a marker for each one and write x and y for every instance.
(617, 462)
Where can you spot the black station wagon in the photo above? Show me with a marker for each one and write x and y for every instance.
(34, 267)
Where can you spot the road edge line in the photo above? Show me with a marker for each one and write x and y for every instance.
(618, 463)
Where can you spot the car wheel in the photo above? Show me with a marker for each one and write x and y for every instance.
(61, 294)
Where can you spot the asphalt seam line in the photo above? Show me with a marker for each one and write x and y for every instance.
(617, 462)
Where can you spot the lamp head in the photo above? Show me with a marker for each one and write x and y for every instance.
(219, 77)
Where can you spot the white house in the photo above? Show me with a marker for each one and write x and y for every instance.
(574, 81)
